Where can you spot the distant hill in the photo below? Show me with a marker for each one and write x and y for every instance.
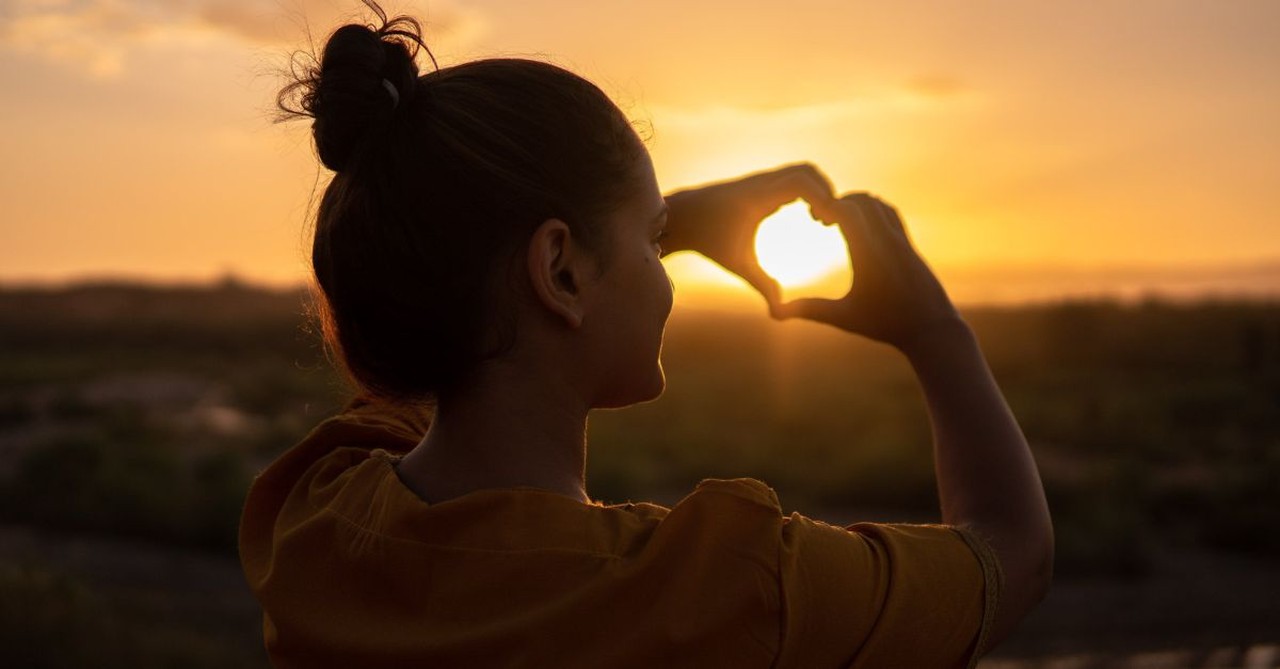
(1002, 284)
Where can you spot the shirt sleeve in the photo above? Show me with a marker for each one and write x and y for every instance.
(879, 595)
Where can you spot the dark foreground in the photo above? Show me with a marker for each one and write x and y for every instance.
(132, 419)
(108, 603)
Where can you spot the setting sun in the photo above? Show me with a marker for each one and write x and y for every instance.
(801, 252)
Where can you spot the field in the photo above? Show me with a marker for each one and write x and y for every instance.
(132, 419)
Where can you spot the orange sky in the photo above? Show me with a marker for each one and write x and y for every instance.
(1033, 138)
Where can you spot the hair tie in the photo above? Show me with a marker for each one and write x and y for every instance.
(395, 94)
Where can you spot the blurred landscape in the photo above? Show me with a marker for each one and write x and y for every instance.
(133, 417)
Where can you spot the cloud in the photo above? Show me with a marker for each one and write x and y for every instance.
(917, 94)
(936, 86)
(244, 19)
(99, 36)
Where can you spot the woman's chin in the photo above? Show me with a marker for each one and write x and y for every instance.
(655, 391)
(638, 393)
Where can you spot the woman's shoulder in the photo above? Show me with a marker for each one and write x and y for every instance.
(395, 427)
(749, 490)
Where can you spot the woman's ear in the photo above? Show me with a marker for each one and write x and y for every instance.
(557, 265)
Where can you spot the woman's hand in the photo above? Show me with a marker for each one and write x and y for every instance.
(720, 220)
(894, 298)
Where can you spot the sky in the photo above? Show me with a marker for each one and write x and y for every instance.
(1032, 144)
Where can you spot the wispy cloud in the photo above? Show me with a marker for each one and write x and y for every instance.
(920, 93)
(98, 36)
(936, 86)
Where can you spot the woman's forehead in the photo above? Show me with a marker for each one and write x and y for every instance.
(649, 193)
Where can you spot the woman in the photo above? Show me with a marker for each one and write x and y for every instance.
(489, 246)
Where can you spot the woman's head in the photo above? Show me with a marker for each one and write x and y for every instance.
(441, 181)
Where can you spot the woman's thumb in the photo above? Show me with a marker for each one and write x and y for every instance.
(810, 308)
(766, 285)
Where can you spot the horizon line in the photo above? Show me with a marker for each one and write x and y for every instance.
(729, 298)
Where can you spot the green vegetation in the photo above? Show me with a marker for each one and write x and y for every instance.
(128, 480)
(144, 412)
(49, 620)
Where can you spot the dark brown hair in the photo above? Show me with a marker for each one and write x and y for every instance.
(440, 180)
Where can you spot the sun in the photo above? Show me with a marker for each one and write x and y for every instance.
(798, 251)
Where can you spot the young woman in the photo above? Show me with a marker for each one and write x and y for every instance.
(488, 260)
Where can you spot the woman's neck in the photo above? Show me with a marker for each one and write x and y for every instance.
(506, 429)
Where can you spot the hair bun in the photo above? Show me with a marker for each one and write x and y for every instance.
(364, 76)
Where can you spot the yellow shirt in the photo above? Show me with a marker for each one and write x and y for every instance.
(354, 570)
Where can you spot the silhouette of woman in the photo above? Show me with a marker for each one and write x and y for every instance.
(487, 259)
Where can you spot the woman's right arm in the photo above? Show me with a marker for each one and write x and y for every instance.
(987, 478)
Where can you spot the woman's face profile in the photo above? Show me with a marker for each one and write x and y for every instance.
(634, 297)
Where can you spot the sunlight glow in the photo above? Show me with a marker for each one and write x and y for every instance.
(798, 251)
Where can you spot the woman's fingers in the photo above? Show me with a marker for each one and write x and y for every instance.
(863, 229)
(891, 217)
(766, 285)
(817, 309)
(771, 190)
(720, 220)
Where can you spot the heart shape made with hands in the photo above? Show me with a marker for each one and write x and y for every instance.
(805, 257)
